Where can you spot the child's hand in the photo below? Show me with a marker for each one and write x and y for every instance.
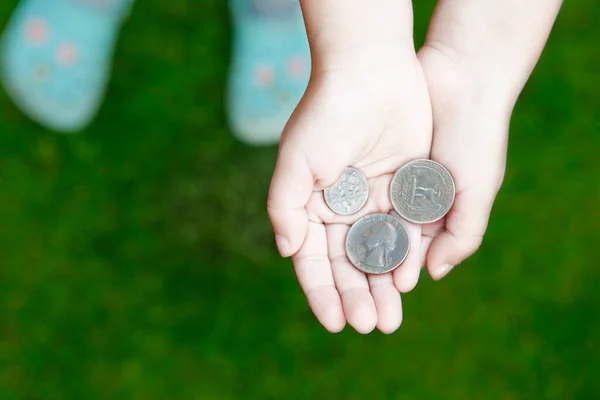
(477, 57)
(366, 106)
(470, 137)
(374, 119)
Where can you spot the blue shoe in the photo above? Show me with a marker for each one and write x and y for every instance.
(57, 57)
(270, 68)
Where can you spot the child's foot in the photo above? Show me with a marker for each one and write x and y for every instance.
(56, 58)
(270, 69)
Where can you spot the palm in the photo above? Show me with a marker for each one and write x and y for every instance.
(375, 127)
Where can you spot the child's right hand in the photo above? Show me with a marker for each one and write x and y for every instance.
(366, 106)
(376, 119)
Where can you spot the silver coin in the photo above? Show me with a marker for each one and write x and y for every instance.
(377, 243)
(422, 191)
(349, 194)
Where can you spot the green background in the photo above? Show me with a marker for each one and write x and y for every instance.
(137, 262)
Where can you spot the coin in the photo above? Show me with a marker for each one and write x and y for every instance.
(377, 243)
(349, 194)
(422, 191)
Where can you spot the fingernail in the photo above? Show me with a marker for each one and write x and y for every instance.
(283, 245)
(442, 271)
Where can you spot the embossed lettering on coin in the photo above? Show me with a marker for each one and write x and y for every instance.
(377, 243)
(422, 191)
(349, 194)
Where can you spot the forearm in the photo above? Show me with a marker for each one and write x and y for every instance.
(494, 43)
(343, 32)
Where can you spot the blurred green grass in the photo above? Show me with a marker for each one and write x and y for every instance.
(136, 259)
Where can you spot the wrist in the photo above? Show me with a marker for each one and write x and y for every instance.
(347, 34)
(367, 59)
(463, 84)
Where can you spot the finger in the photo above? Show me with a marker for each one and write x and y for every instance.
(387, 302)
(428, 233)
(406, 276)
(351, 283)
(314, 274)
(465, 227)
(424, 250)
(291, 187)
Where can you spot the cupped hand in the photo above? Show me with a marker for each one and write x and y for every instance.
(470, 132)
(374, 119)
(476, 59)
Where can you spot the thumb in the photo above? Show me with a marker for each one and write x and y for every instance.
(291, 188)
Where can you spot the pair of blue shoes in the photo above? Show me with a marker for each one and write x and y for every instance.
(57, 56)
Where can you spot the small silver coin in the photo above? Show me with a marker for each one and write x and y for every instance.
(377, 243)
(349, 194)
(422, 191)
